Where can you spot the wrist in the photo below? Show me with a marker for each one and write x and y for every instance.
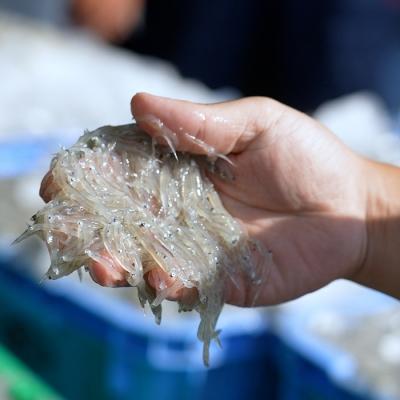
(380, 269)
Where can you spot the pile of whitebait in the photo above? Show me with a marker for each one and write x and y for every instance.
(124, 200)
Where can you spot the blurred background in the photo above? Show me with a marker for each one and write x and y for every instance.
(70, 65)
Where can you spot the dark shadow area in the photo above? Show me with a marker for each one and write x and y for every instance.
(301, 53)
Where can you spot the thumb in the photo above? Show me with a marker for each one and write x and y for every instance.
(204, 128)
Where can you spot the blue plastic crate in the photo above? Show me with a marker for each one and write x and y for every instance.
(312, 368)
(24, 154)
(91, 346)
(303, 379)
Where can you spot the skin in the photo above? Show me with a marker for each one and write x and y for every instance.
(324, 212)
(111, 20)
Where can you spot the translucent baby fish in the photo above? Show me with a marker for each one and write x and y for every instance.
(125, 201)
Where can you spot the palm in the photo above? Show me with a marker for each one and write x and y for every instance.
(288, 191)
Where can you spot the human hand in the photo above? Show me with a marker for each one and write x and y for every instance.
(112, 20)
(296, 188)
(324, 212)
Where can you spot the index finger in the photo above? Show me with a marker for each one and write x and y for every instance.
(200, 128)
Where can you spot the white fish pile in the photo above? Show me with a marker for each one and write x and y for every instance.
(125, 201)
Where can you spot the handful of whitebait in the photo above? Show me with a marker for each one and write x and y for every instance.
(124, 200)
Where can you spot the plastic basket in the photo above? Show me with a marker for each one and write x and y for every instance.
(91, 346)
(313, 368)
